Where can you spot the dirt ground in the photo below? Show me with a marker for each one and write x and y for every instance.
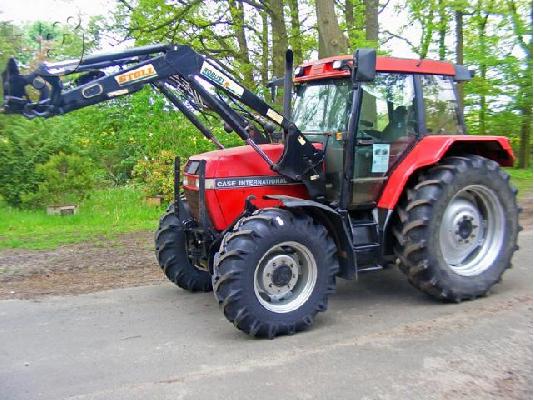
(94, 266)
(81, 268)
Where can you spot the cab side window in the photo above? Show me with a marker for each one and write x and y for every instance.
(441, 112)
(386, 128)
(388, 108)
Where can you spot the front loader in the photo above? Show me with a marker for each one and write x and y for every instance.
(371, 167)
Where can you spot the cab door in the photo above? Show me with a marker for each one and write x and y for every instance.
(386, 129)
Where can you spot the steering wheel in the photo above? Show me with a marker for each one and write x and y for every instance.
(371, 133)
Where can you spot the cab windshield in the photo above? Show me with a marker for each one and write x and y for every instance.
(322, 106)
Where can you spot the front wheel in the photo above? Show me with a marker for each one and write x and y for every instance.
(171, 253)
(457, 228)
(274, 272)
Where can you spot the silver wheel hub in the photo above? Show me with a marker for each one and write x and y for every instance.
(285, 277)
(472, 230)
(279, 276)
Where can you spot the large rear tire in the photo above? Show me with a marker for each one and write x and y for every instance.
(172, 256)
(457, 228)
(274, 272)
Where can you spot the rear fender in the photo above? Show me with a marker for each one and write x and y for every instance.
(431, 149)
(333, 222)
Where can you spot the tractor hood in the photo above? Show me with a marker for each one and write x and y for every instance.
(231, 176)
(241, 161)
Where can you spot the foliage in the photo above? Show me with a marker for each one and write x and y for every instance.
(65, 179)
(496, 38)
(522, 179)
(114, 136)
(157, 174)
(143, 132)
(102, 215)
(24, 145)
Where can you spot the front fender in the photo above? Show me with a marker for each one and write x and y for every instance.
(333, 222)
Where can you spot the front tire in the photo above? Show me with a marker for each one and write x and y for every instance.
(274, 272)
(171, 254)
(457, 228)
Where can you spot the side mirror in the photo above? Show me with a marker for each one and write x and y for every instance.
(364, 65)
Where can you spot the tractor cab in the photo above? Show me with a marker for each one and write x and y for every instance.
(403, 101)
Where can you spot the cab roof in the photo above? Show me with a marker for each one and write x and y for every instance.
(323, 68)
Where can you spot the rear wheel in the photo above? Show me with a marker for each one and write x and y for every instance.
(274, 272)
(457, 228)
(172, 257)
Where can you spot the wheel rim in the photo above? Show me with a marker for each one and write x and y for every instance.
(285, 277)
(472, 230)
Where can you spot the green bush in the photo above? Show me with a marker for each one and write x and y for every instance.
(157, 175)
(65, 179)
(25, 144)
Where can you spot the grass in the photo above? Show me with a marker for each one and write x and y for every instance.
(103, 215)
(522, 179)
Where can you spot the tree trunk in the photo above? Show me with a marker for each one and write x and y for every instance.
(524, 138)
(279, 32)
(331, 39)
(280, 41)
(443, 19)
(525, 101)
(371, 22)
(483, 73)
(482, 104)
(238, 19)
(264, 48)
(296, 38)
(524, 31)
(350, 22)
(459, 19)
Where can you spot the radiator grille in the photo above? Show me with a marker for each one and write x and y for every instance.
(192, 198)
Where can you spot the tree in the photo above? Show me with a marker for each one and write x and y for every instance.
(459, 51)
(279, 34)
(331, 39)
(296, 36)
(371, 22)
(238, 26)
(523, 30)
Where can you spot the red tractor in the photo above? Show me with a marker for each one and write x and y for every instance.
(372, 167)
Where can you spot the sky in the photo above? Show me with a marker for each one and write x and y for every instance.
(51, 10)
(20, 11)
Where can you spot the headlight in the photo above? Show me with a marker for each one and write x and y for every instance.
(338, 64)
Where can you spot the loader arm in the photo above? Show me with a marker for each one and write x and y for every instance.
(164, 67)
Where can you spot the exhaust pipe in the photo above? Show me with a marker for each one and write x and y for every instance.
(288, 84)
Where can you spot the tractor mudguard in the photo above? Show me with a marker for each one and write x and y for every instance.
(431, 149)
(333, 221)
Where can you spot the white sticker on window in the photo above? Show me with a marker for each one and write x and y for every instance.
(380, 158)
